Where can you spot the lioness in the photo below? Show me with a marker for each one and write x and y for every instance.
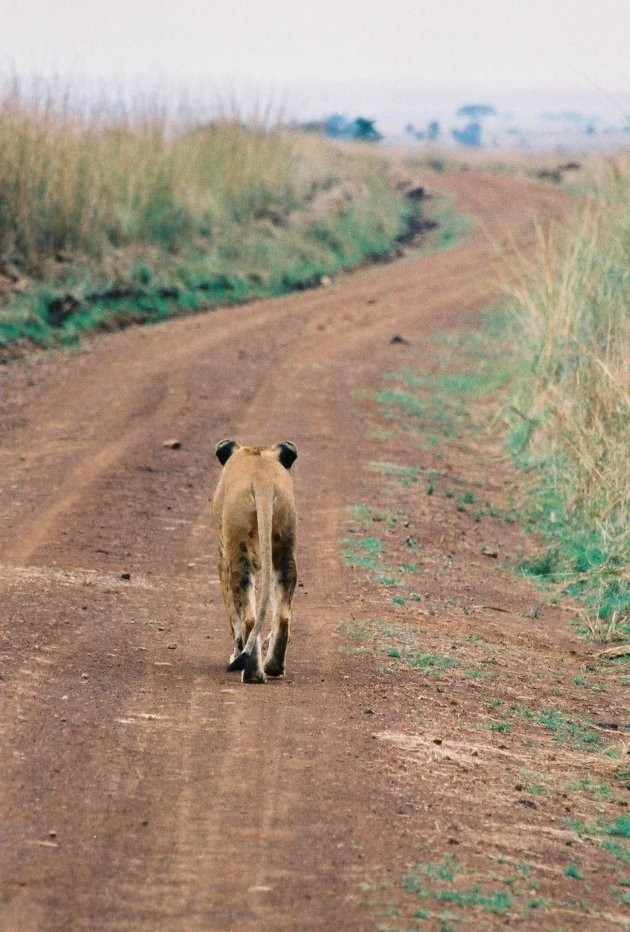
(254, 511)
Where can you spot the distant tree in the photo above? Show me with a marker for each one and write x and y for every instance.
(469, 136)
(476, 111)
(416, 134)
(433, 131)
(366, 130)
(338, 126)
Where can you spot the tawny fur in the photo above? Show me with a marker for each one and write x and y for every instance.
(255, 517)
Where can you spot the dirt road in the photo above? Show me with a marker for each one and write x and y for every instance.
(142, 786)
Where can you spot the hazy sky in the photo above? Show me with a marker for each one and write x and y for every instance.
(445, 44)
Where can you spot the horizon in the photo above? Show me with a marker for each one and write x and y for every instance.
(521, 120)
(414, 61)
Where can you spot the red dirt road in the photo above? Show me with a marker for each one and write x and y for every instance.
(143, 787)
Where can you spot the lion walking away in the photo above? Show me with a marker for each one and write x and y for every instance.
(256, 521)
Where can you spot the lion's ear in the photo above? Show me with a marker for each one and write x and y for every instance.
(224, 450)
(287, 453)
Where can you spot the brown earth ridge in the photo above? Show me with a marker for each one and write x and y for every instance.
(142, 786)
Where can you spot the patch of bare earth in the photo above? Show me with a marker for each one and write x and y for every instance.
(142, 786)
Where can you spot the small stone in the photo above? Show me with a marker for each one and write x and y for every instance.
(172, 444)
(125, 575)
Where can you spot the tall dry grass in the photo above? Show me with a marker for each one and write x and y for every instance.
(573, 398)
(105, 204)
(79, 180)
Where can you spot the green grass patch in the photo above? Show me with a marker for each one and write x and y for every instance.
(435, 664)
(405, 475)
(611, 837)
(622, 775)
(362, 553)
(401, 642)
(453, 228)
(567, 730)
(467, 894)
(480, 675)
(588, 786)
(536, 784)
(501, 727)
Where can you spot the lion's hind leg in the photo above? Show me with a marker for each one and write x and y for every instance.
(242, 574)
(228, 600)
(286, 579)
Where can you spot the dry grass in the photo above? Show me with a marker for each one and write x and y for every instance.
(86, 181)
(573, 401)
(120, 213)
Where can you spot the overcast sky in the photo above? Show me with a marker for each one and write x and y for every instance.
(482, 45)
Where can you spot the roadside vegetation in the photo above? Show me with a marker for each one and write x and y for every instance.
(570, 408)
(556, 374)
(497, 700)
(117, 214)
(562, 409)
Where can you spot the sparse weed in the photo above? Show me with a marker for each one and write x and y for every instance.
(481, 675)
(357, 548)
(610, 837)
(587, 785)
(429, 663)
(501, 727)
(569, 731)
(622, 775)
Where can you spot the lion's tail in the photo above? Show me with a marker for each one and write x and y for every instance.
(263, 498)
